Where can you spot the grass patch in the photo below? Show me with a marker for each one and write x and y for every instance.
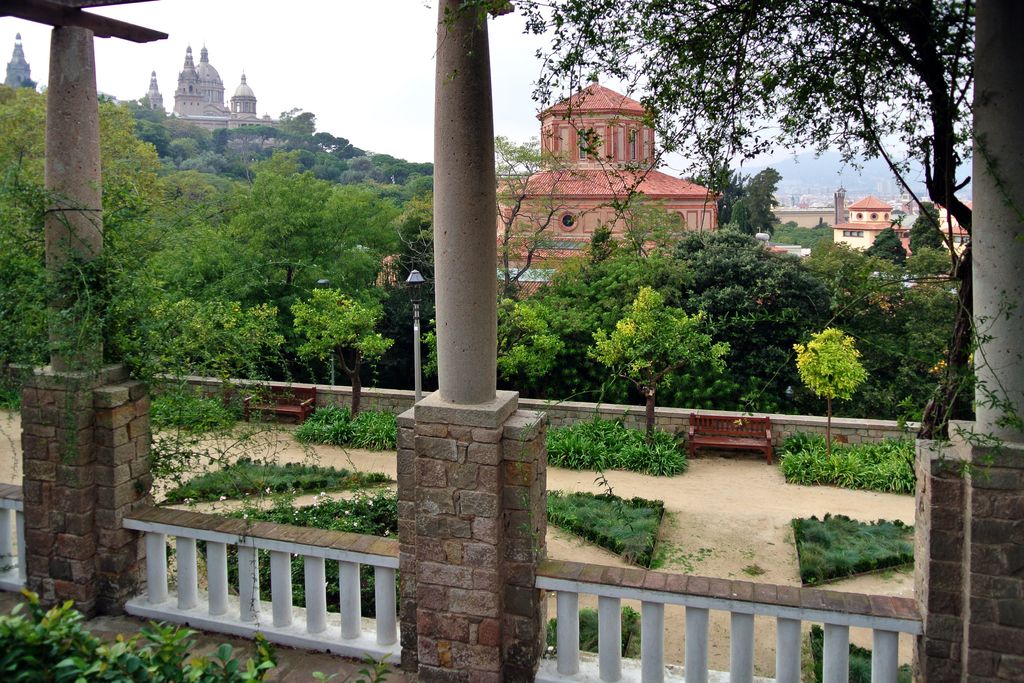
(608, 444)
(190, 412)
(336, 426)
(860, 661)
(10, 398)
(887, 466)
(837, 546)
(255, 476)
(626, 527)
(589, 633)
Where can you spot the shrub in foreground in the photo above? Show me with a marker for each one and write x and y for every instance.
(40, 646)
(860, 661)
(886, 466)
(589, 633)
(608, 444)
(836, 547)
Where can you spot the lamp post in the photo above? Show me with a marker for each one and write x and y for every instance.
(324, 283)
(413, 282)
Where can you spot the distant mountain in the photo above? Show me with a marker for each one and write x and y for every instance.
(807, 174)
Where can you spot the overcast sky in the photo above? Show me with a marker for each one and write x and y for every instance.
(366, 69)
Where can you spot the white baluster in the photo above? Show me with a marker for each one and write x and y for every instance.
(316, 594)
(696, 645)
(248, 583)
(19, 530)
(568, 632)
(217, 577)
(885, 656)
(741, 648)
(836, 655)
(609, 638)
(384, 602)
(156, 568)
(281, 587)
(6, 551)
(787, 650)
(652, 642)
(348, 583)
(188, 581)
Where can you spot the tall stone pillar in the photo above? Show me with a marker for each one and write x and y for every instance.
(74, 220)
(471, 465)
(994, 528)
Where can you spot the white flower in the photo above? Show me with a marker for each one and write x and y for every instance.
(268, 489)
(223, 498)
(245, 515)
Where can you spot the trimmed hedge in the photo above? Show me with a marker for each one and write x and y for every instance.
(626, 527)
(836, 547)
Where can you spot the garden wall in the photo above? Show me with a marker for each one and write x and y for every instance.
(854, 430)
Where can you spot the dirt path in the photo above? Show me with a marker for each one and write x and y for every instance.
(726, 517)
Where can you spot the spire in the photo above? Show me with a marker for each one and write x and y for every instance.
(204, 55)
(18, 71)
(189, 64)
(156, 100)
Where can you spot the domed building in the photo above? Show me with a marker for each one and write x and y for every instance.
(199, 97)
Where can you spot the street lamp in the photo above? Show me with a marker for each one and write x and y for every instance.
(324, 283)
(413, 282)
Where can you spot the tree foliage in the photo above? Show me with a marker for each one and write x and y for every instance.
(830, 367)
(926, 231)
(653, 341)
(888, 245)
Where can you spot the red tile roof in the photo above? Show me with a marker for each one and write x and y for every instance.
(614, 183)
(597, 99)
(870, 203)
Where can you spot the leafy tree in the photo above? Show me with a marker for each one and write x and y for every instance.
(757, 201)
(926, 231)
(829, 366)
(297, 123)
(527, 348)
(652, 342)
(332, 323)
(781, 89)
(888, 245)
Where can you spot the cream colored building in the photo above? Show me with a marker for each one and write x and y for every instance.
(867, 218)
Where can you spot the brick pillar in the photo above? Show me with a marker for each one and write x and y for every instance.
(994, 615)
(939, 561)
(471, 528)
(85, 441)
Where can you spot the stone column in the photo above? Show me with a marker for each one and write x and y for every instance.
(471, 477)
(465, 256)
(74, 223)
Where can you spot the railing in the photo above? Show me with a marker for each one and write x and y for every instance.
(887, 616)
(238, 609)
(12, 527)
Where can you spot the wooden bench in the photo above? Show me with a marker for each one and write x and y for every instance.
(729, 432)
(297, 402)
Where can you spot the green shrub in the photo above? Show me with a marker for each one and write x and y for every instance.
(589, 632)
(886, 466)
(10, 398)
(626, 527)
(190, 412)
(860, 661)
(837, 546)
(608, 444)
(255, 476)
(53, 645)
(336, 426)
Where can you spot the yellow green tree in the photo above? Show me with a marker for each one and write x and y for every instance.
(651, 342)
(829, 365)
(334, 324)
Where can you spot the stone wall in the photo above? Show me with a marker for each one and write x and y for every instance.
(854, 430)
(85, 439)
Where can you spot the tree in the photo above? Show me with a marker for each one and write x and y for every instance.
(926, 232)
(652, 342)
(758, 200)
(888, 245)
(333, 324)
(735, 77)
(527, 348)
(829, 366)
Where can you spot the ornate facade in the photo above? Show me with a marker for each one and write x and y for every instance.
(19, 75)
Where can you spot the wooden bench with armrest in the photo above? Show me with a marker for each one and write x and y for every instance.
(731, 433)
(297, 402)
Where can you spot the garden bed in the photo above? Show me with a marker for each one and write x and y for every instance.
(336, 426)
(838, 547)
(610, 445)
(886, 466)
(627, 527)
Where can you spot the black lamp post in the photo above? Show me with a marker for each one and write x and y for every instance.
(326, 284)
(413, 282)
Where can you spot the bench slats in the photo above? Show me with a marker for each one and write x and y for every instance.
(724, 431)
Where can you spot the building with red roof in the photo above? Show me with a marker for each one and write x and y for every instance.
(601, 154)
(866, 218)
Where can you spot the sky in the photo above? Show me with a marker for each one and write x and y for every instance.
(366, 69)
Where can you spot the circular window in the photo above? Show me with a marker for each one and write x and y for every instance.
(860, 216)
(568, 221)
(874, 216)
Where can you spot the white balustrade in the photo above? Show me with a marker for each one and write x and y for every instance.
(12, 540)
(238, 609)
(886, 627)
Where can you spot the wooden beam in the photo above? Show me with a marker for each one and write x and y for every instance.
(95, 3)
(55, 13)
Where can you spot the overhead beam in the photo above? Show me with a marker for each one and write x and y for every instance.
(55, 13)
